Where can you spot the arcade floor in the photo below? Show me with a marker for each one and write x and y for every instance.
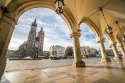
(94, 72)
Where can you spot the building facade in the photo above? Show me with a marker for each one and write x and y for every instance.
(46, 54)
(56, 51)
(88, 51)
(59, 51)
(109, 52)
(33, 47)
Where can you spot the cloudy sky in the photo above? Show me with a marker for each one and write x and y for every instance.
(55, 28)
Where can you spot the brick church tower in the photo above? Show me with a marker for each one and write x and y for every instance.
(32, 35)
(41, 41)
(31, 39)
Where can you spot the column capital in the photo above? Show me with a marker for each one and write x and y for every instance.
(113, 43)
(75, 34)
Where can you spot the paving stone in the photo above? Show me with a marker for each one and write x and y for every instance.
(103, 81)
(4, 80)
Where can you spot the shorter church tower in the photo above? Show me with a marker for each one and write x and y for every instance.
(41, 41)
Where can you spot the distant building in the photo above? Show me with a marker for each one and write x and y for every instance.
(109, 52)
(33, 47)
(86, 50)
(11, 54)
(45, 54)
(56, 51)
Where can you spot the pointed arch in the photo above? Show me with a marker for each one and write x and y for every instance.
(92, 26)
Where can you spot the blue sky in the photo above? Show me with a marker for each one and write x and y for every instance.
(55, 28)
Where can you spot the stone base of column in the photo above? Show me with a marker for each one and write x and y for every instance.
(2, 67)
(118, 58)
(106, 59)
(123, 57)
(79, 64)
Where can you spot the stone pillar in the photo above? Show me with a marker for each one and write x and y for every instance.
(6, 30)
(122, 49)
(103, 51)
(116, 54)
(77, 52)
(123, 52)
(2, 66)
(123, 46)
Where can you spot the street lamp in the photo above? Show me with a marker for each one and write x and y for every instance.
(59, 6)
(109, 29)
(123, 36)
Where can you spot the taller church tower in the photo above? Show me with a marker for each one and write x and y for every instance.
(32, 34)
(31, 39)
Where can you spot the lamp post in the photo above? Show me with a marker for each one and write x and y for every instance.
(109, 28)
(123, 36)
(59, 6)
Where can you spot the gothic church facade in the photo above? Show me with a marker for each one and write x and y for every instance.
(33, 47)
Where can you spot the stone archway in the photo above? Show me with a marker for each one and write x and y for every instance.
(20, 7)
(99, 37)
(121, 45)
(67, 15)
(9, 20)
(113, 43)
(23, 6)
(92, 26)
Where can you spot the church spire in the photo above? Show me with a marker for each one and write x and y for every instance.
(41, 29)
(34, 23)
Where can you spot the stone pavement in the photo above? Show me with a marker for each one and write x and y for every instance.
(4, 80)
(94, 72)
(18, 65)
